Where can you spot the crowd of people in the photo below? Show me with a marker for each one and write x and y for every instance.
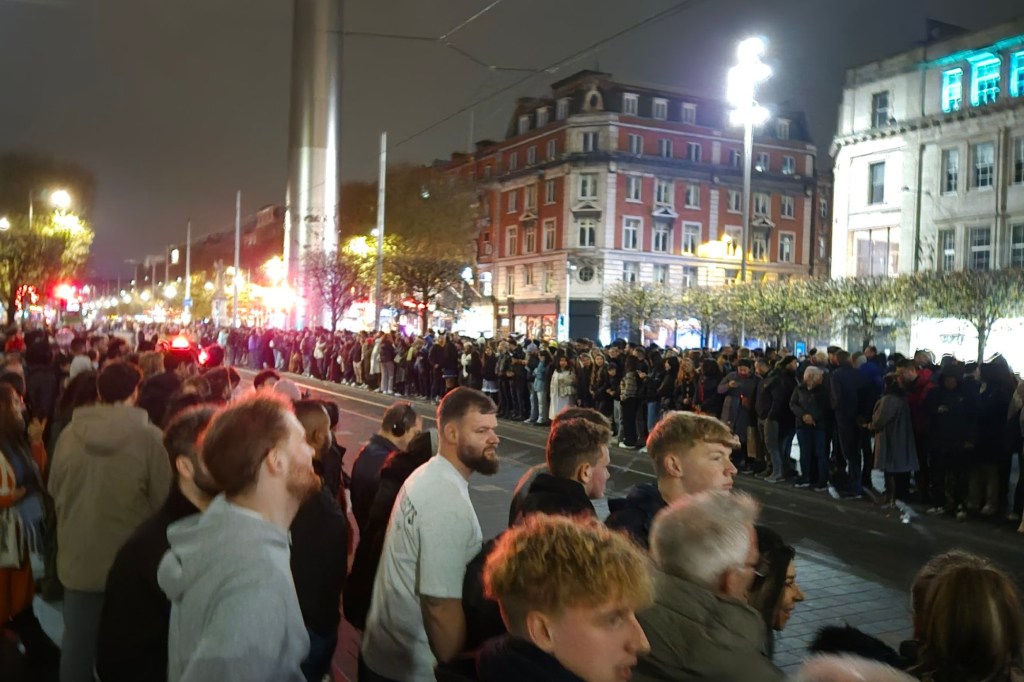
(198, 531)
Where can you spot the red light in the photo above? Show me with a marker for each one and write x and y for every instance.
(65, 291)
(181, 343)
(203, 356)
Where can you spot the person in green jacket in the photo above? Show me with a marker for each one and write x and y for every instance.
(700, 627)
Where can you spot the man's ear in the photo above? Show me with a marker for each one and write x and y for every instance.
(672, 466)
(541, 631)
(584, 472)
(275, 462)
(184, 467)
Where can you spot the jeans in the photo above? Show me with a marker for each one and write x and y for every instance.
(542, 407)
(813, 452)
(81, 631)
(653, 407)
(321, 653)
(617, 417)
(628, 433)
(387, 377)
(534, 406)
(773, 442)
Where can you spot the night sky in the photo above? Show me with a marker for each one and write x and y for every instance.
(175, 104)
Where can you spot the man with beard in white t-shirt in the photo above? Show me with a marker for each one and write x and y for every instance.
(416, 616)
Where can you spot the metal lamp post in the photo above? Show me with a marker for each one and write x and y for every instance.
(742, 81)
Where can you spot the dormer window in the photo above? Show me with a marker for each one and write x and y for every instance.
(562, 110)
(630, 104)
(524, 124)
(660, 109)
(782, 129)
(690, 113)
(542, 117)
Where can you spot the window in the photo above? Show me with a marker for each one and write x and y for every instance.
(689, 276)
(530, 198)
(693, 152)
(513, 161)
(664, 192)
(513, 201)
(787, 247)
(636, 144)
(531, 156)
(693, 196)
(876, 252)
(552, 150)
(1018, 160)
(876, 178)
(487, 172)
(690, 113)
(952, 90)
(950, 170)
(759, 245)
(786, 207)
(985, 79)
(879, 109)
(524, 124)
(984, 164)
(485, 240)
(630, 272)
(549, 278)
(735, 158)
(634, 188)
(762, 203)
(631, 233)
(660, 109)
(660, 274)
(528, 275)
(660, 237)
(1017, 75)
(735, 201)
(762, 162)
(588, 185)
(549, 191)
(732, 237)
(549, 234)
(788, 165)
(823, 208)
(691, 237)
(486, 287)
(782, 129)
(665, 148)
(946, 247)
(586, 274)
(510, 280)
(562, 110)
(630, 104)
(590, 141)
(588, 232)
(1017, 245)
(542, 117)
(531, 239)
(512, 241)
(979, 241)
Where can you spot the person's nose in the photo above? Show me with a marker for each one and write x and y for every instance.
(799, 596)
(640, 645)
(730, 468)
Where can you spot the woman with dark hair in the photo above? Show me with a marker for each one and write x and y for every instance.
(774, 593)
(972, 628)
(22, 467)
(629, 388)
(709, 401)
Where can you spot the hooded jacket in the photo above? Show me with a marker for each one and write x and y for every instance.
(110, 472)
(234, 612)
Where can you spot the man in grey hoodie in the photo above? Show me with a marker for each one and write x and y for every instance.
(234, 611)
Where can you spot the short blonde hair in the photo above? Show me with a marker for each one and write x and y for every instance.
(677, 432)
(550, 563)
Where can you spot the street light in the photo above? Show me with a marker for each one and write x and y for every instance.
(60, 198)
(5, 224)
(742, 81)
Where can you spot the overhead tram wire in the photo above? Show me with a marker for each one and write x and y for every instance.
(553, 68)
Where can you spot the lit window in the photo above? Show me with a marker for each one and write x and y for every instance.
(630, 104)
(1017, 75)
(762, 162)
(788, 165)
(735, 158)
(634, 188)
(735, 201)
(549, 278)
(950, 170)
(946, 242)
(879, 109)
(1017, 245)
(782, 129)
(588, 232)
(631, 233)
(980, 243)
(636, 144)
(660, 273)
(984, 164)
(762, 203)
(876, 189)
(512, 241)
(690, 113)
(590, 142)
(531, 156)
(665, 148)
(1018, 160)
(524, 124)
(549, 234)
(952, 89)
(786, 208)
(588, 185)
(562, 112)
(630, 272)
(487, 288)
(664, 192)
(542, 117)
(787, 247)
(552, 149)
(693, 196)
(693, 152)
(759, 246)
(549, 191)
(659, 238)
(691, 237)
(985, 79)
(660, 109)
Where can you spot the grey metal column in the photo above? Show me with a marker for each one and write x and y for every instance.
(311, 216)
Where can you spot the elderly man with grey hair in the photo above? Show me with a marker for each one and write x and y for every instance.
(848, 669)
(812, 406)
(700, 627)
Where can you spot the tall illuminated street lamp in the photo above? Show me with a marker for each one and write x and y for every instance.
(742, 81)
(60, 198)
(5, 224)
